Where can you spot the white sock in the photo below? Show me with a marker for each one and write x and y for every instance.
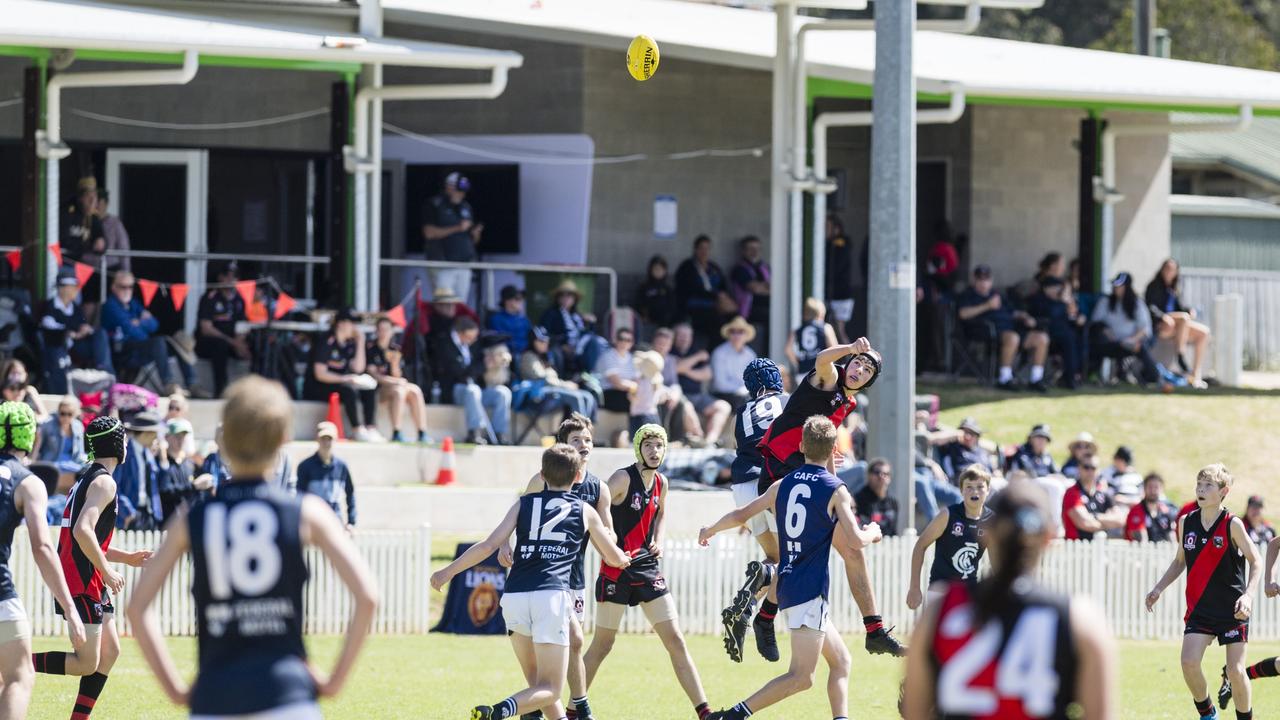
(1037, 373)
(1006, 373)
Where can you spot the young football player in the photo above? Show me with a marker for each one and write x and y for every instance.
(955, 533)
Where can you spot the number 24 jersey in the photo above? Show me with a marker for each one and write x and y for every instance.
(1020, 665)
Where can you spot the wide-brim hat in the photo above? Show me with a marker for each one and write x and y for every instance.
(1084, 439)
(971, 425)
(444, 294)
(738, 323)
(566, 286)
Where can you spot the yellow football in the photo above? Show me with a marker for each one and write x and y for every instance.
(642, 58)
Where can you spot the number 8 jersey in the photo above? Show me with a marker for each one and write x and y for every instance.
(1021, 665)
(249, 574)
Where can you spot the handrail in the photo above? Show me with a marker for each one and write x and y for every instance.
(514, 267)
(174, 255)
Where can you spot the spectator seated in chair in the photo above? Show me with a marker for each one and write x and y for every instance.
(1122, 481)
(987, 315)
(1122, 328)
(68, 338)
(216, 337)
(61, 439)
(872, 503)
(140, 506)
(1054, 309)
(616, 370)
(133, 332)
(460, 370)
(1171, 319)
(536, 367)
(440, 314)
(750, 282)
(1033, 456)
(730, 359)
(1083, 446)
(1260, 531)
(510, 320)
(699, 282)
(179, 482)
(685, 372)
(338, 364)
(1154, 519)
(966, 450)
(18, 388)
(385, 362)
(1087, 508)
(655, 300)
(568, 326)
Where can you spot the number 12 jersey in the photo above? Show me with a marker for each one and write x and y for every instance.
(249, 573)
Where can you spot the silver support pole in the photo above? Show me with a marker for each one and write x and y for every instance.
(368, 244)
(892, 283)
(780, 241)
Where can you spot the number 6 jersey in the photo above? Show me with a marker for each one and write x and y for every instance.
(249, 574)
(1021, 665)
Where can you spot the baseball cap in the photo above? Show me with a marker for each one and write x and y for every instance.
(346, 314)
(457, 180)
(178, 426)
(540, 333)
(1121, 278)
(327, 429)
(1124, 453)
(982, 271)
(510, 291)
(1041, 431)
(67, 279)
(971, 425)
(1255, 501)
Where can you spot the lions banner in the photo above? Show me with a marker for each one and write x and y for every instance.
(471, 607)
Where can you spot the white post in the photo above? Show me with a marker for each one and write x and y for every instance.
(779, 181)
(1228, 339)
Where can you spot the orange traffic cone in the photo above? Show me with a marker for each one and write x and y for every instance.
(447, 460)
(335, 414)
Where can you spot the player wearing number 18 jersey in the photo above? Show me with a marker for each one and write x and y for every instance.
(246, 546)
(1004, 648)
(810, 503)
(550, 526)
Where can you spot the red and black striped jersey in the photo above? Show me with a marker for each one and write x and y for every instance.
(635, 520)
(782, 441)
(82, 577)
(1215, 570)
(1020, 665)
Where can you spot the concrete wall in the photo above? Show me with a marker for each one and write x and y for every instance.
(690, 106)
(1025, 188)
(1143, 176)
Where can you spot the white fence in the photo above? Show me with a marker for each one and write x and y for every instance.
(399, 559)
(1261, 293)
(1116, 574)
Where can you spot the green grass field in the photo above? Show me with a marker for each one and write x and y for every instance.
(442, 676)
(1174, 434)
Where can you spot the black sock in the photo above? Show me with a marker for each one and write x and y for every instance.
(768, 611)
(1266, 668)
(872, 623)
(1204, 707)
(90, 688)
(742, 709)
(50, 663)
(702, 709)
(1244, 715)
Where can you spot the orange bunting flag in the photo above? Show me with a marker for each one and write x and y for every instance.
(14, 258)
(148, 289)
(396, 316)
(56, 249)
(284, 304)
(83, 273)
(245, 288)
(178, 294)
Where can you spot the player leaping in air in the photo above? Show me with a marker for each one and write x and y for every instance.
(576, 432)
(248, 576)
(810, 504)
(828, 390)
(955, 530)
(638, 497)
(550, 526)
(1214, 547)
(1271, 666)
(23, 497)
(84, 546)
(764, 388)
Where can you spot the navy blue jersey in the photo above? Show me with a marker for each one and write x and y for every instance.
(957, 553)
(811, 340)
(749, 427)
(807, 528)
(12, 473)
(589, 492)
(550, 530)
(249, 573)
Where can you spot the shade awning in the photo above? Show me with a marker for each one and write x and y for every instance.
(134, 31)
(992, 70)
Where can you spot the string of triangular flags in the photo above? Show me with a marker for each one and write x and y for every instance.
(178, 292)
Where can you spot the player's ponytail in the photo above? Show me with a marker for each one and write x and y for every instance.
(1019, 528)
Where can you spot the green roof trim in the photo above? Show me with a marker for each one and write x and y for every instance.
(824, 87)
(39, 53)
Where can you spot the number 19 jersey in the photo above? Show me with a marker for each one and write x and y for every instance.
(249, 574)
(806, 529)
(749, 428)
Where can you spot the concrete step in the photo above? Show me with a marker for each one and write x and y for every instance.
(476, 511)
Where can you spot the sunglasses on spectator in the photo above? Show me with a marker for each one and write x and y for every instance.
(882, 473)
(64, 413)
(124, 287)
(1088, 467)
(737, 332)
